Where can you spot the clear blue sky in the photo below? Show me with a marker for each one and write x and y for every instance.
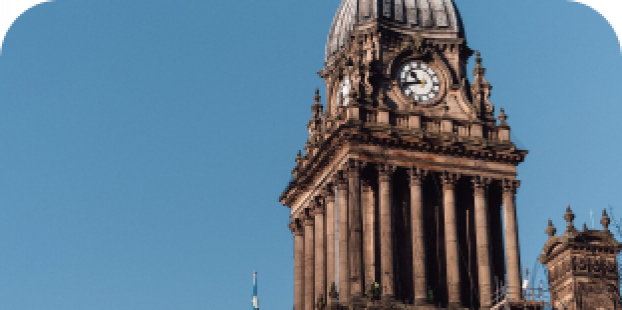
(144, 144)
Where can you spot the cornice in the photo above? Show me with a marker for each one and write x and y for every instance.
(392, 137)
(559, 244)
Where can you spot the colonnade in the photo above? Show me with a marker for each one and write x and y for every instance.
(315, 237)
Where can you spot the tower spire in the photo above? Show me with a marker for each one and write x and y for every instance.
(255, 301)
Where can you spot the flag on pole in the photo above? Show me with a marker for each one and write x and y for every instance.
(255, 302)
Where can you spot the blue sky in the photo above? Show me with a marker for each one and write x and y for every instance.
(144, 145)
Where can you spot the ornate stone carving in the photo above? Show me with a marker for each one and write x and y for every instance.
(342, 181)
(510, 185)
(308, 220)
(328, 192)
(296, 227)
(597, 295)
(354, 168)
(481, 183)
(385, 171)
(550, 230)
(569, 217)
(319, 206)
(449, 179)
(416, 175)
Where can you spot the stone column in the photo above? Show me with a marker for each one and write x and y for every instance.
(385, 172)
(344, 268)
(329, 195)
(309, 263)
(451, 240)
(320, 251)
(356, 230)
(511, 238)
(368, 203)
(299, 274)
(482, 237)
(418, 236)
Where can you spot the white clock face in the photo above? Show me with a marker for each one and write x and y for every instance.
(343, 93)
(419, 81)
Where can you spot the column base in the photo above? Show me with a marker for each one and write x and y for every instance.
(454, 305)
(387, 298)
(424, 302)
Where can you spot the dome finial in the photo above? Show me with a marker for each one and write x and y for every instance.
(569, 217)
(502, 117)
(550, 230)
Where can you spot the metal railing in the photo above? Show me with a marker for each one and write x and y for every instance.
(501, 297)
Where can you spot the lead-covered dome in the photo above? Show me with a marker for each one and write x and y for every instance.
(438, 15)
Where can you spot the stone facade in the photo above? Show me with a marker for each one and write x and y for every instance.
(398, 202)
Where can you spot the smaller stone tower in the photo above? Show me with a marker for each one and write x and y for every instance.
(583, 272)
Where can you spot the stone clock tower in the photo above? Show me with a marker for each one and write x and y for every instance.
(399, 195)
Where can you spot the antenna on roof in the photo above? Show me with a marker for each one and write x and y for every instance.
(255, 301)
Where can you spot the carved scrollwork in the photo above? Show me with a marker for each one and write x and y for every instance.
(597, 295)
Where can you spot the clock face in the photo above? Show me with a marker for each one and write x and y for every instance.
(343, 92)
(419, 81)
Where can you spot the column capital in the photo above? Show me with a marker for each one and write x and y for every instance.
(480, 182)
(354, 167)
(341, 180)
(308, 220)
(329, 193)
(385, 171)
(449, 179)
(296, 227)
(318, 206)
(328, 189)
(365, 185)
(510, 186)
(416, 175)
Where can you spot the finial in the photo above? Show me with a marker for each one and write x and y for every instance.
(550, 230)
(299, 157)
(502, 117)
(317, 107)
(585, 226)
(605, 220)
(478, 58)
(569, 217)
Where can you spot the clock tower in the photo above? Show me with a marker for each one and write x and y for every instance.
(399, 195)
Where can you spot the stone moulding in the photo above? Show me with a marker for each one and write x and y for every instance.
(356, 135)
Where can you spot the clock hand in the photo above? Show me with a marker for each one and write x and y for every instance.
(410, 83)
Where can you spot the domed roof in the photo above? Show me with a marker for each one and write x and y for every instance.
(439, 15)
